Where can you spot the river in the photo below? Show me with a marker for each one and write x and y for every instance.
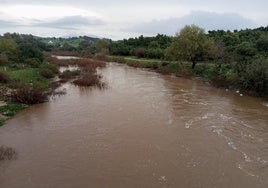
(144, 130)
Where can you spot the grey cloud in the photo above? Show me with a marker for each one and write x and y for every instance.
(7, 24)
(206, 20)
(70, 22)
(248, 3)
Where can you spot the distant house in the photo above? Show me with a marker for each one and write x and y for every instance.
(50, 42)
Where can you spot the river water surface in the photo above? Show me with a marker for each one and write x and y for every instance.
(144, 130)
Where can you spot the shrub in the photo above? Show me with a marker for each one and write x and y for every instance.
(29, 94)
(253, 76)
(157, 53)
(53, 68)
(11, 108)
(3, 59)
(33, 62)
(46, 73)
(2, 122)
(205, 70)
(88, 79)
(67, 74)
(184, 72)
(139, 52)
(48, 70)
(4, 77)
(16, 66)
(117, 59)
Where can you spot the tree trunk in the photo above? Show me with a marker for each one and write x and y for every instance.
(193, 65)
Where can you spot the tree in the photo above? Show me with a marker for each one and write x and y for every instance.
(8, 50)
(102, 46)
(262, 43)
(191, 44)
(245, 51)
(87, 46)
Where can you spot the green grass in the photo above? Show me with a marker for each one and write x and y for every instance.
(142, 59)
(10, 109)
(203, 70)
(29, 75)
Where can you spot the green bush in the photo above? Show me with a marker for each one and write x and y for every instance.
(48, 70)
(11, 108)
(67, 74)
(3, 59)
(16, 66)
(157, 53)
(253, 76)
(32, 62)
(53, 68)
(46, 73)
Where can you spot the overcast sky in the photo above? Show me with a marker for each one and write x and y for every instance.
(118, 19)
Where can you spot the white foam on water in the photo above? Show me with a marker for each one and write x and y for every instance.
(248, 173)
(246, 157)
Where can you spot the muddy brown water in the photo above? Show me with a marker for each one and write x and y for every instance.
(144, 130)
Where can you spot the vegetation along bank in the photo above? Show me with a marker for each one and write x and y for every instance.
(231, 59)
(29, 74)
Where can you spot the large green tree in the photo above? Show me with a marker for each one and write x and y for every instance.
(190, 44)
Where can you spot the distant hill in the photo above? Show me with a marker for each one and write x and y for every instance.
(72, 41)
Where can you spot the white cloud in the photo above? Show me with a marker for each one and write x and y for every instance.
(123, 18)
(206, 20)
(43, 11)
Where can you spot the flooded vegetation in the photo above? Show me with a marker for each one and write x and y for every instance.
(144, 130)
(82, 70)
(7, 153)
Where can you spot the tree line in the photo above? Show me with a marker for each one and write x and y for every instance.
(237, 58)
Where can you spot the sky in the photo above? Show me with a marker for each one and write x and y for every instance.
(118, 19)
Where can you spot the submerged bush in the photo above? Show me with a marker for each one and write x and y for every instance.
(67, 74)
(4, 77)
(7, 153)
(88, 79)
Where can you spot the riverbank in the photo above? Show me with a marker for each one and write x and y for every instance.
(220, 75)
(22, 86)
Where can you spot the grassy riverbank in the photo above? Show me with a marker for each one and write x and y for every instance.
(181, 69)
(218, 74)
